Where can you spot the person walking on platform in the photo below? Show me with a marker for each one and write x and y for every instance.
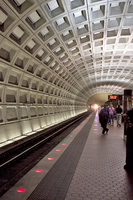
(118, 115)
(99, 113)
(111, 115)
(128, 118)
(104, 115)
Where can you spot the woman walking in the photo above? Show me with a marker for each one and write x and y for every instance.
(111, 115)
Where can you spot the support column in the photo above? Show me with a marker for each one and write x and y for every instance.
(127, 105)
(127, 100)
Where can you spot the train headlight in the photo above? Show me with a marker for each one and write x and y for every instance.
(95, 106)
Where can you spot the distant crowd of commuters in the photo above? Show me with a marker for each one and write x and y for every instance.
(107, 115)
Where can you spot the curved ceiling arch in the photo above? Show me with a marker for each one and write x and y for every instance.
(84, 42)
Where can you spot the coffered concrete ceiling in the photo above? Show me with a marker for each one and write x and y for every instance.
(86, 44)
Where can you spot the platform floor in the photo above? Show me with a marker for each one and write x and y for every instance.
(86, 165)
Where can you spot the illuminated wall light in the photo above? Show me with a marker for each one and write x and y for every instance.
(74, 133)
(21, 190)
(58, 150)
(50, 158)
(71, 135)
(63, 143)
(39, 170)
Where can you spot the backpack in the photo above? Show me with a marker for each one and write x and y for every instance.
(104, 114)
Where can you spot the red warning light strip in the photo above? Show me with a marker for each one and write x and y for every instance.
(21, 190)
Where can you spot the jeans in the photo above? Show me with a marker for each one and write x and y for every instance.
(111, 118)
(104, 125)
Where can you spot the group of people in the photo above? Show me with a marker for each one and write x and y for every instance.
(106, 116)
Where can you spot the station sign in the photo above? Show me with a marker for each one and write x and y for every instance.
(112, 96)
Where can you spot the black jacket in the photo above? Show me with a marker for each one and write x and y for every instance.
(118, 110)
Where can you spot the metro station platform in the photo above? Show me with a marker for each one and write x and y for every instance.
(86, 165)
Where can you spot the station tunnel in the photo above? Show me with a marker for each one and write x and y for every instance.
(59, 57)
(55, 56)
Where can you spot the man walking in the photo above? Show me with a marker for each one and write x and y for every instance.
(104, 114)
(118, 115)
